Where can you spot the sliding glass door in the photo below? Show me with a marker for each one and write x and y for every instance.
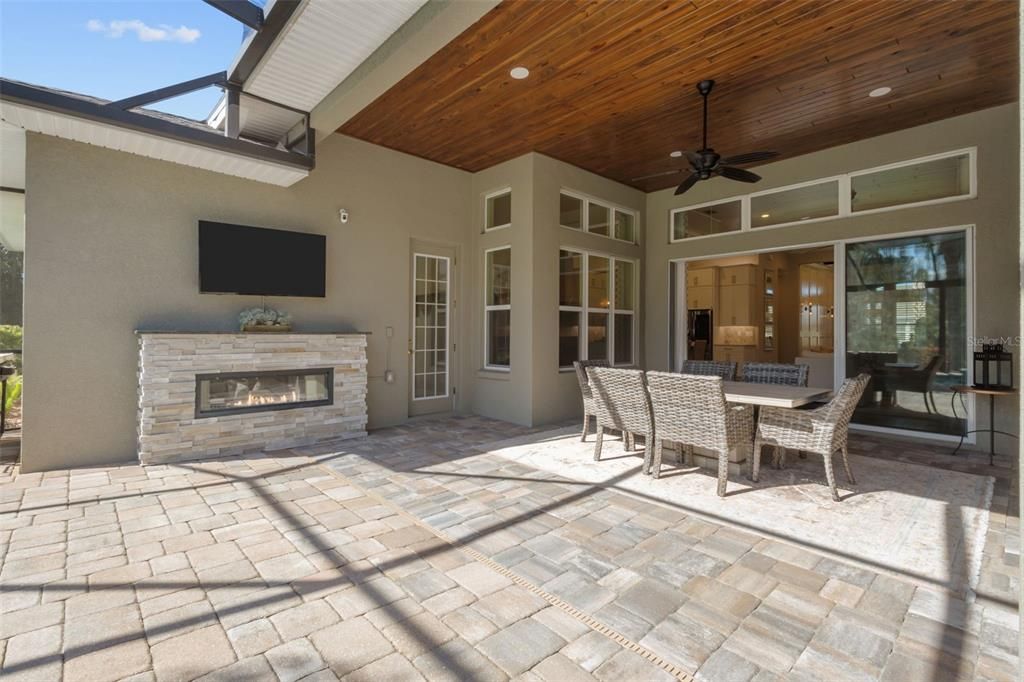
(906, 326)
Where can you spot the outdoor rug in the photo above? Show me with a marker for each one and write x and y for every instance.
(908, 519)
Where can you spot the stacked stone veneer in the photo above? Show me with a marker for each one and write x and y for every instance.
(168, 364)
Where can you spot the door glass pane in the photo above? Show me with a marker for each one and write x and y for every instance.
(430, 333)
(906, 326)
(499, 277)
(926, 181)
(597, 284)
(698, 222)
(624, 226)
(570, 277)
(623, 339)
(570, 211)
(624, 285)
(499, 337)
(568, 337)
(499, 211)
(598, 217)
(794, 205)
(597, 336)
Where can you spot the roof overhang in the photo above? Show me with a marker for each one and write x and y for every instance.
(301, 53)
(84, 120)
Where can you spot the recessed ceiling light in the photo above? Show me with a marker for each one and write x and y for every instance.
(675, 155)
(806, 217)
(880, 92)
(519, 73)
(766, 215)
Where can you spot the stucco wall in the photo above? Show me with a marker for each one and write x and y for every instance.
(556, 395)
(994, 213)
(112, 246)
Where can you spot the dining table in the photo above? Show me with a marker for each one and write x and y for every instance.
(773, 395)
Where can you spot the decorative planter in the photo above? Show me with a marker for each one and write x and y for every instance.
(267, 328)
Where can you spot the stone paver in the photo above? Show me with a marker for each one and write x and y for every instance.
(337, 561)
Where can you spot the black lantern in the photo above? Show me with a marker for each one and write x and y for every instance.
(993, 367)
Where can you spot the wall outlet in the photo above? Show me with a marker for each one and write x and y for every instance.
(389, 332)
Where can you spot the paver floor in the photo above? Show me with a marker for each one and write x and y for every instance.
(415, 554)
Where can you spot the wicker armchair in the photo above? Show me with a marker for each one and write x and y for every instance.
(726, 370)
(775, 373)
(621, 400)
(691, 410)
(589, 403)
(822, 431)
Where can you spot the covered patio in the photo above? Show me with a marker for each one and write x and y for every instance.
(447, 549)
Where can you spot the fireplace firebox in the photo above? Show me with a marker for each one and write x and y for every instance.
(242, 392)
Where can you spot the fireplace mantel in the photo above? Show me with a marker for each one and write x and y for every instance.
(171, 427)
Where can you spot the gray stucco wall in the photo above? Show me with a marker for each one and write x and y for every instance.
(994, 213)
(112, 246)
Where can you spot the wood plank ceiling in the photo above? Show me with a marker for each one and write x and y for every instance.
(611, 85)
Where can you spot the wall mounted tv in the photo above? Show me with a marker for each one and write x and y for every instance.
(235, 259)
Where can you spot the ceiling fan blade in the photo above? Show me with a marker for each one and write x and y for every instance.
(738, 174)
(687, 184)
(749, 157)
(658, 175)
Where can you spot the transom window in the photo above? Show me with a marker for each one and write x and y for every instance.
(498, 308)
(578, 212)
(498, 210)
(950, 176)
(596, 308)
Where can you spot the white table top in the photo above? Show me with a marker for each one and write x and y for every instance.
(773, 395)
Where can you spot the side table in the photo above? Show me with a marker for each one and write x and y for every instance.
(992, 393)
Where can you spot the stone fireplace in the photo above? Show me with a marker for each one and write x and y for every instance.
(204, 394)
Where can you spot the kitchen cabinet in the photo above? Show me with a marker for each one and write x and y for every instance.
(737, 354)
(737, 305)
(699, 298)
(700, 277)
(738, 274)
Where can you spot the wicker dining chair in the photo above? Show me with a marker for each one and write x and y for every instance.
(822, 431)
(691, 410)
(622, 404)
(589, 403)
(775, 373)
(726, 370)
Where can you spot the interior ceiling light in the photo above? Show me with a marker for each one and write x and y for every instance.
(519, 73)
(676, 154)
(880, 92)
(766, 215)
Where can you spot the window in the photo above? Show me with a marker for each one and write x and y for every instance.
(598, 217)
(576, 212)
(809, 202)
(570, 210)
(498, 308)
(700, 221)
(912, 183)
(597, 294)
(498, 210)
(906, 325)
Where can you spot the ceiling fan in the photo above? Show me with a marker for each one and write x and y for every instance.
(705, 163)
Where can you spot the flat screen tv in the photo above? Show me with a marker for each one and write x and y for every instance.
(235, 259)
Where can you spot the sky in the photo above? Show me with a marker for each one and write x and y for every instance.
(118, 48)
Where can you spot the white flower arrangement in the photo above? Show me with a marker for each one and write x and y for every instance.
(263, 317)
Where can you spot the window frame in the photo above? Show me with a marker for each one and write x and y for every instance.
(844, 183)
(586, 200)
(489, 308)
(493, 195)
(972, 170)
(585, 309)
